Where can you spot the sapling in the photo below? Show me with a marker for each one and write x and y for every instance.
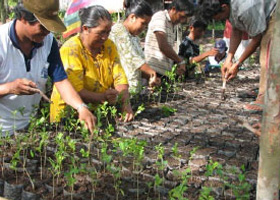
(205, 194)
(15, 160)
(140, 109)
(158, 181)
(116, 172)
(178, 191)
(104, 155)
(70, 177)
(44, 136)
(175, 150)
(167, 111)
(138, 152)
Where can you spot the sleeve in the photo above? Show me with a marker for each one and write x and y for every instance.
(118, 72)
(252, 20)
(138, 58)
(158, 22)
(55, 70)
(185, 49)
(255, 22)
(73, 65)
(129, 49)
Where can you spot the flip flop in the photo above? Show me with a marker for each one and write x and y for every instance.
(253, 107)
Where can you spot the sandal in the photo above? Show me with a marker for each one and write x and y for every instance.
(253, 107)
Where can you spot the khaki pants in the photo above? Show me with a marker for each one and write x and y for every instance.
(264, 57)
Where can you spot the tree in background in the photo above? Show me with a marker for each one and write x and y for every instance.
(6, 9)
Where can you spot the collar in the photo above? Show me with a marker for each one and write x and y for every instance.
(99, 55)
(14, 39)
(167, 15)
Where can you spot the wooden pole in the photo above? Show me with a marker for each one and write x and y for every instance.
(269, 161)
(3, 13)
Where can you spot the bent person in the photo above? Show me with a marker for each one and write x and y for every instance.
(92, 64)
(137, 17)
(28, 56)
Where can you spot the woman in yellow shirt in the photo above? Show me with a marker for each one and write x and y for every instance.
(92, 64)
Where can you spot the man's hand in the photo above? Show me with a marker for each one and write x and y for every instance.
(181, 69)
(111, 96)
(232, 72)
(86, 116)
(224, 69)
(213, 52)
(154, 80)
(22, 87)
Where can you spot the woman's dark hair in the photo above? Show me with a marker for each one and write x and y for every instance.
(91, 16)
(21, 12)
(139, 8)
(209, 8)
(183, 5)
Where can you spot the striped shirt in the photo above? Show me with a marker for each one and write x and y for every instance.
(154, 57)
(251, 15)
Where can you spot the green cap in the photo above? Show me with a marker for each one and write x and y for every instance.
(46, 11)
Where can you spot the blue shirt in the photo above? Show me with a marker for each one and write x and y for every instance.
(56, 70)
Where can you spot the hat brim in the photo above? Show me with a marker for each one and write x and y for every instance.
(52, 24)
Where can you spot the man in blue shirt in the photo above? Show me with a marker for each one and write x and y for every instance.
(28, 55)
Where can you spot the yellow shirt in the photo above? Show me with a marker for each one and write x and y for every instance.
(85, 72)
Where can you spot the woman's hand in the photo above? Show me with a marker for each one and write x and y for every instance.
(87, 117)
(111, 96)
(129, 115)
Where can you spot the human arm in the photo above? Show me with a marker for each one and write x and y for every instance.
(204, 55)
(250, 49)
(150, 74)
(109, 95)
(168, 51)
(72, 98)
(235, 39)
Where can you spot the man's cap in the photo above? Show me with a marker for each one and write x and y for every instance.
(221, 45)
(47, 13)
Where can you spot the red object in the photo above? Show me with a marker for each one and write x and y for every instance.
(227, 31)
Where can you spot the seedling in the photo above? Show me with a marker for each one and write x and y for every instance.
(167, 111)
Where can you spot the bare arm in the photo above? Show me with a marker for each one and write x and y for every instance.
(72, 98)
(169, 52)
(92, 97)
(251, 48)
(235, 39)
(165, 48)
(204, 55)
(147, 71)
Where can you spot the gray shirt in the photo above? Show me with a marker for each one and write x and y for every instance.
(251, 16)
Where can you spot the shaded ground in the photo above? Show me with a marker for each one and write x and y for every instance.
(205, 121)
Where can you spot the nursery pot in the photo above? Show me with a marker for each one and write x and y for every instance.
(2, 182)
(29, 195)
(12, 191)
